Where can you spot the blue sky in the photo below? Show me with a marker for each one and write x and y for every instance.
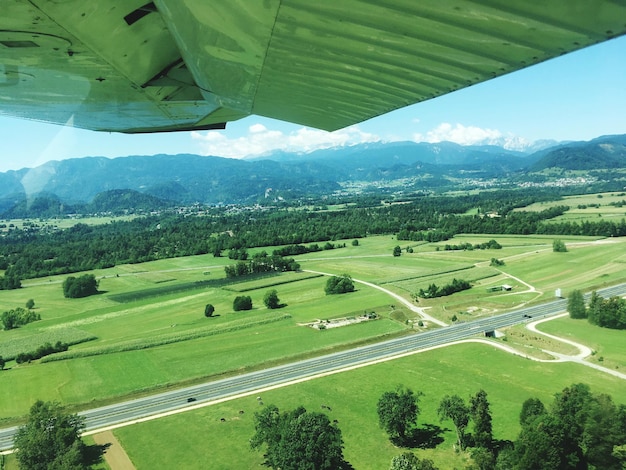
(578, 96)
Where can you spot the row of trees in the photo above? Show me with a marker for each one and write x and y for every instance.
(490, 245)
(244, 302)
(457, 285)
(261, 263)
(42, 351)
(579, 430)
(607, 313)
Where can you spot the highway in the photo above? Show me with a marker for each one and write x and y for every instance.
(246, 383)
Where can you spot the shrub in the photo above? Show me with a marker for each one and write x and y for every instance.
(82, 286)
(18, 317)
(208, 310)
(242, 302)
(339, 285)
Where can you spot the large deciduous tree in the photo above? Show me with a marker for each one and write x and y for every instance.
(576, 305)
(397, 413)
(580, 430)
(409, 461)
(81, 286)
(298, 440)
(454, 408)
(481, 417)
(339, 285)
(270, 299)
(50, 440)
(242, 302)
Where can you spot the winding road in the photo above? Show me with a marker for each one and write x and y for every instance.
(176, 401)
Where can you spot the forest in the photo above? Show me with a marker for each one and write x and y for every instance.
(30, 253)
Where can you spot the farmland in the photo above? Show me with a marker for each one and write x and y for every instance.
(146, 332)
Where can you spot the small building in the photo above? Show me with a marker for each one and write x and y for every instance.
(506, 287)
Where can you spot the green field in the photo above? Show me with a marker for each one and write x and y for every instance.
(146, 332)
(586, 207)
(161, 338)
(607, 344)
(352, 396)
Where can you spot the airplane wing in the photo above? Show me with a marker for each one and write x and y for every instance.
(137, 66)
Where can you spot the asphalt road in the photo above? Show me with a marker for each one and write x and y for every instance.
(169, 401)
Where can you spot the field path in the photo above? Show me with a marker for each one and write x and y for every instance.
(115, 455)
(579, 358)
(419, 310)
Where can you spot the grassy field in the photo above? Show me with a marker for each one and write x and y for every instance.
(607, 344)
(147, 332)
(586, 207)
(352, 396)
(162, 339)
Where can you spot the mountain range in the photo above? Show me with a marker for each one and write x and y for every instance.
(160, 180)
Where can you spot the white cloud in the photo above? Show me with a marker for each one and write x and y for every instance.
(257, 128)
(261, 140)
(471, 135)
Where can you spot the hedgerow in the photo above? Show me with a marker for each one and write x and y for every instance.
(10, 347)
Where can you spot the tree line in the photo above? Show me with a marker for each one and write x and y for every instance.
(457, 285)
(28, 254)
(578, 430)
(606, 313)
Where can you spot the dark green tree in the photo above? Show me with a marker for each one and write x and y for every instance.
(30, 304)
(397, 251)
(51, 440)
(531, 408)
(481, 417)
(576, 305)
(571, 408)
(355, 242)
(339, 284)
(558, 246)
(538, 445)
(298, 440)
(579, 431)
(409, 461)
(242, 302)
(2, 363)
(270, 299)
(454, 408)
(397, 413)
(81, 286)
(605, 427)
(17, 317)
(483, 458)
(209, 309)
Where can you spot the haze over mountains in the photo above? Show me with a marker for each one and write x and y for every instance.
(186, 179)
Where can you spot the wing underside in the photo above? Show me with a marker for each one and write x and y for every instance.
(132, 66)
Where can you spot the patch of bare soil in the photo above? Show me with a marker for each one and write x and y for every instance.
(115, 455)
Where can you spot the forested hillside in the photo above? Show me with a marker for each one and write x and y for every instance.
(77, 185)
